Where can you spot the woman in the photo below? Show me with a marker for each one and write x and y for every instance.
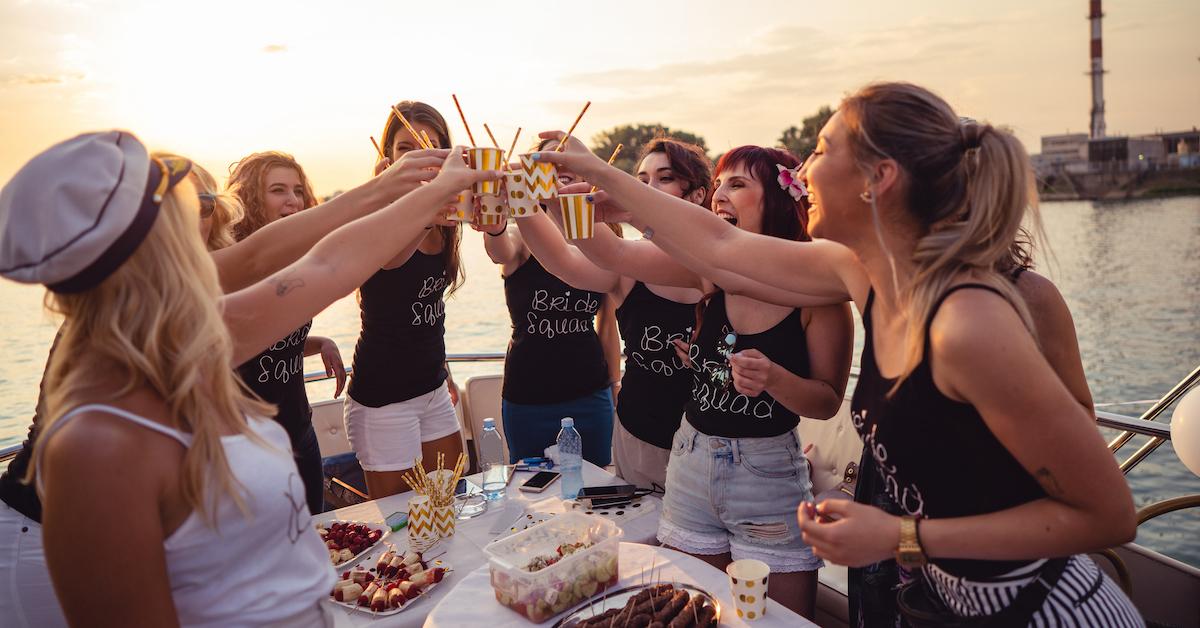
(872, 587)
(918, 208)
(271, 186)
(23, 569)
(737, 470)
(400, 404)
(556, 364)
(219, 213)
(175, 478)
(656, 384)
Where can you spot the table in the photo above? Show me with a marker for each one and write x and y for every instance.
(464, 551)
(472, 602)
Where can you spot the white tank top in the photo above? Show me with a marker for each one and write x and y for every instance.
(268, 569)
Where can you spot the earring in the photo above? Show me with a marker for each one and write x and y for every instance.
(866, 196)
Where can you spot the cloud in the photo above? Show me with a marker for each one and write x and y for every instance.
(272, 48)
(39, 79)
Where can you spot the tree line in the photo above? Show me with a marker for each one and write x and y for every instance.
(800, 141)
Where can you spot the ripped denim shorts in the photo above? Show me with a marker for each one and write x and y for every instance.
(737, 495)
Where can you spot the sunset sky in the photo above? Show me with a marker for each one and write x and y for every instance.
(217, 80)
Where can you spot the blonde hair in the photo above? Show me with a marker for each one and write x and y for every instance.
(968, 186)
(156, 324)
(227, 209)
(248, 182)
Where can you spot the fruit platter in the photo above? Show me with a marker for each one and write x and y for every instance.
(347, 541)
(395, 582)
(553, 566)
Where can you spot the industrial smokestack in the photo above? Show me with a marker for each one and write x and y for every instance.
(1097, 72)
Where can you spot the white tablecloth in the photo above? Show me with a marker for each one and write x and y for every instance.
(464, 551)
(473, 603)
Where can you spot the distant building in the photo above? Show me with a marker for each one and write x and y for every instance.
(1127, 153)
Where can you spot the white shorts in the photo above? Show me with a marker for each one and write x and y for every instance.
(389, 438)
(26, 595)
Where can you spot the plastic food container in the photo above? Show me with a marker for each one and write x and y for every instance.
(573, 578)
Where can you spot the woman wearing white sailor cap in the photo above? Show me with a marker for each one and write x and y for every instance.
(166, 500)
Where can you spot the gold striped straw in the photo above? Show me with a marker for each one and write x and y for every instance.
(411, 130)
(611, 159)
(425, 136)
(464, 119)
(563, 143)
(377, 148)
(514, 143)
(493, 137)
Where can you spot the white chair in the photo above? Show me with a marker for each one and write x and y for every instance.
(481, 400)
(330, 427)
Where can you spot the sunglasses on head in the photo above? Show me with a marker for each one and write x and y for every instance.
(208, 204)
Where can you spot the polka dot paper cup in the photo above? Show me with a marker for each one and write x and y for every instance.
(748, 582)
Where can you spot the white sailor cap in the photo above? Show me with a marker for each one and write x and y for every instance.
(72, 215)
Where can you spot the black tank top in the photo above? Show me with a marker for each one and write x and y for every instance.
(716, 407)
(935, 456)
(277, 375)
(656, 384)
(401, 352)
(554, 354)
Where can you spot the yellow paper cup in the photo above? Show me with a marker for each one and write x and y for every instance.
(579, 215)
(489, 220)
(748, 582)
(486, 158)
(521, 202)
(541, 177)
(421, 533)
(463, 209)
(493, 205)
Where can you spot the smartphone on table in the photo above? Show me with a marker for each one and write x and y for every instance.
(539, 482)
(620, 490)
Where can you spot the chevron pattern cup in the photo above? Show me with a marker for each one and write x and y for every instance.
(421, 533)
(541, 177)
(521, 203)
(486, 158)
(578, 215)
(463, 208)
(443, 521)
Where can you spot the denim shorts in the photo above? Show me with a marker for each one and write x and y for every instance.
(738, 495)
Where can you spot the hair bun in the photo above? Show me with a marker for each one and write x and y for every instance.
(971, 133)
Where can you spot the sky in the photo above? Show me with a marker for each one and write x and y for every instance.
(217, 80)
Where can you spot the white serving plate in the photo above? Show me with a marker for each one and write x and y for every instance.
(374, 526)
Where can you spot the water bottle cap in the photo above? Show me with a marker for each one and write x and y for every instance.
(568, 422)
(489, 423)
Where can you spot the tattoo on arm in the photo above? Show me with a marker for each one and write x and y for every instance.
(1049, 482)
(284, 285)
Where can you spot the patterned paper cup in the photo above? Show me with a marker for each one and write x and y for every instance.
(492, 205)
(463, 209)
(486, 158)
(748, 582)
(521, 202)
(541, 177)
(578, 215)
(421, 533)
(489, 220)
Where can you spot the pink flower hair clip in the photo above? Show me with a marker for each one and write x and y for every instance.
(789, 180)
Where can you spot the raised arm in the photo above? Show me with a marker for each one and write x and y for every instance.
(638, 259)
(339, 263)
(284, 241)
(829, 268)
(562, 260)
(983, 355)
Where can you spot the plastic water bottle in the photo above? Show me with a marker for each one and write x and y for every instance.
(491, 459)
(570, 459)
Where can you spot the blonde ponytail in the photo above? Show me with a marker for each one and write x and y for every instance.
(969, 185)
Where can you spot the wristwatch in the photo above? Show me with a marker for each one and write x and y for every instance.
(909, 553)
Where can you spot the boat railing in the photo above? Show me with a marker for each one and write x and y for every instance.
(1144, 425)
